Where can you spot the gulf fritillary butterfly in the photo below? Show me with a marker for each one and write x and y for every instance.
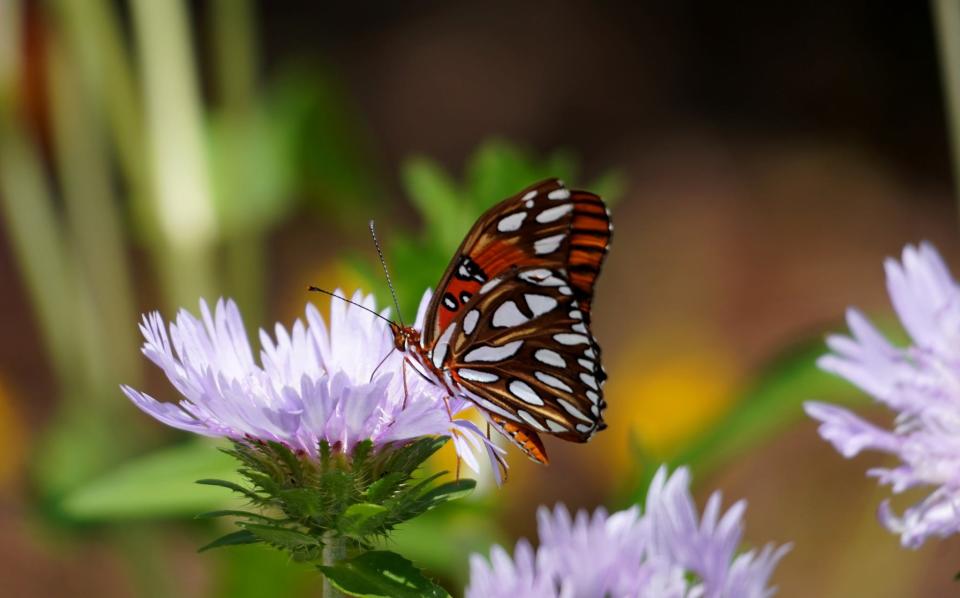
(509, 325)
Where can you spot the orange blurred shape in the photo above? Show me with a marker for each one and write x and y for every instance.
(12, 437)
(665, 402)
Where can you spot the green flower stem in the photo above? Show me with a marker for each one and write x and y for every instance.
(334, 550)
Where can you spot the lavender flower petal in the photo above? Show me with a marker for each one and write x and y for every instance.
(920, 383)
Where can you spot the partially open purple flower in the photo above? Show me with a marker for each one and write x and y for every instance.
(341, 383)
(921, 383)
(668, 551)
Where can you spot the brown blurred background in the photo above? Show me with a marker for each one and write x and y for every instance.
(771, 156)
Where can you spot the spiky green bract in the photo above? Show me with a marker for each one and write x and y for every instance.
(299, 502)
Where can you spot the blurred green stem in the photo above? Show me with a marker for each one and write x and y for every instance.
(946, 18)
(234, 48)
(92, 35)
(94, 232)
(183, 206)
(334, 550)
(32, 227)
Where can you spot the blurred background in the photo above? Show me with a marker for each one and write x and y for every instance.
(761, 160)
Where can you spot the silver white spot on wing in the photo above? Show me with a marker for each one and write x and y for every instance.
(556, 427)
(576, 314)
(529, 195)
(542, 277)
(555, 213)
(488, 286)
(552, 381)
(565, 290)
(477, 375)
(569, 408)
(589, 381)
(550, 358)
(579, 328)
(511, 223)
(559, 194)
(528, 204)
(584, 428)
(548, 244)
(508, 315)
(589, 353)
(595, 410)
(440, 349)
(491, 406)
(539, 304)
(570, 339)
(593, 396)
(470, 321)
(587, 364)
(493, 353)
(531, 420)
(522, 391)
(450, 302)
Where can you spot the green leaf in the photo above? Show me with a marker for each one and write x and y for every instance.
(231, 539)
(380, 573)
(160, 484)
(436, 197)
(440, 538)
(361, 519)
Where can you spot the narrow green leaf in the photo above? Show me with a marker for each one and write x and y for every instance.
(361, 519)
(231, 539)
(410, 457)
(281, 536)
(231, 486)
(381, 574)
(773, 401)
(450, 491)
(385, 486)
(234, 513)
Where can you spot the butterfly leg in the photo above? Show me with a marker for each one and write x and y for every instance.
(403, 370)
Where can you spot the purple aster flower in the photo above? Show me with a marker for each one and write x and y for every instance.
(667, 551)
(921, 383)
(341, 383)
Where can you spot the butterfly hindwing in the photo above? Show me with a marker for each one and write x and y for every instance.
(523, 351)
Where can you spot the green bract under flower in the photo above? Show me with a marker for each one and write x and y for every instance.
(299, 503)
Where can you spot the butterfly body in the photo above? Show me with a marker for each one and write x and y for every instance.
(509, 325)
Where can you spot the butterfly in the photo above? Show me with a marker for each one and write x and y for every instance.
(508, 327)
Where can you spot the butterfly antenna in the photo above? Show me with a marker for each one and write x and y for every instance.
(354, 303)
(386, 272)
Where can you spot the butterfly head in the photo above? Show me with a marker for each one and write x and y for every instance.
(405, 337)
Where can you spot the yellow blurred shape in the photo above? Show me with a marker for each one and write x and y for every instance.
(12, 436)
(664, 404)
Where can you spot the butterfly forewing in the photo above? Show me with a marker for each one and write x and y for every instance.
(522, 350)
(543, 226)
